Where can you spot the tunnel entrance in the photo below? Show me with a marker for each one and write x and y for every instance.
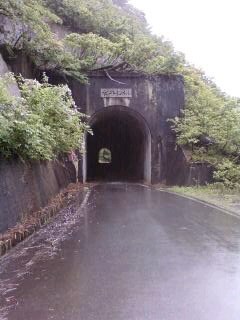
(120, 147)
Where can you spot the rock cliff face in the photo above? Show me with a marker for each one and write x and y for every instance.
(59, 30)
(10, 35)
(25, 187)
(13, 87)
(10, 32)
(14, 59)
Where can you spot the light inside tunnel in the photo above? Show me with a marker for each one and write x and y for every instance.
(120, 147)
(104, 156)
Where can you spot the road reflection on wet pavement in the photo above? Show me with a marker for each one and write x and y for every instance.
(130, 253)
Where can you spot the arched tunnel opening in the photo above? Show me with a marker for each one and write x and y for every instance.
(120, 147)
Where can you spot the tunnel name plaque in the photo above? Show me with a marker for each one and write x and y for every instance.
(116, 93)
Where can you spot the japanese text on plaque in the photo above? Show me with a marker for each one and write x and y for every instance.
(116, 93)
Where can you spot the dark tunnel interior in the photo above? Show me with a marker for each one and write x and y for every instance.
(117, 149)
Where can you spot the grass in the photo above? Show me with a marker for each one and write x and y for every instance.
(222, 197)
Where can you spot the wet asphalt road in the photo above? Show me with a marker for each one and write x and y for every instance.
(133, 254)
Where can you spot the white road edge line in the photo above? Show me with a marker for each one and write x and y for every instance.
(85, 200)
(229, 212)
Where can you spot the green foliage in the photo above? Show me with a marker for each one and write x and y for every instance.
(208, 112)
(91, 50)
(109, 32)
(41, 124)
(152, 55)
(34, 18)
(5, 98)
(29, 12)
(98, 16)
(142, 53)
(228, 173)
(37, 39)
(216, 194)
(211, 114)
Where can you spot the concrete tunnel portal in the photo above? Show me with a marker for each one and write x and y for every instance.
(120, 147)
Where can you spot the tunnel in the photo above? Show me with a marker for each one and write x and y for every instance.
(119, 148)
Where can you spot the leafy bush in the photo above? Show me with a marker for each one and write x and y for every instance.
(214, 117)
(228, 173)
(41, 124)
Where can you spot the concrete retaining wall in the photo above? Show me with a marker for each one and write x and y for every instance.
(25, 188)
(184, 172)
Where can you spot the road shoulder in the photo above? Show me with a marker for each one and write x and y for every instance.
(228, 201)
